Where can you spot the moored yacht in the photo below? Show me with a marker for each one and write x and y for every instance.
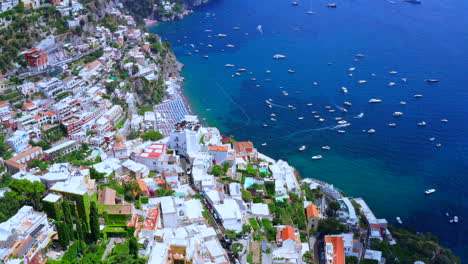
(373, 101)
(422, 123)
(326, 147)
(429, 191)
(316, 157)
(391, 124)
(302, 148)
(397, 113)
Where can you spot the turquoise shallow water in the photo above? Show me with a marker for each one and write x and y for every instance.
(390, 168)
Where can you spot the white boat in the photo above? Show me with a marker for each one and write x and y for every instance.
(422, 123)
(300, 118)
(397, 113)
(455, 219)
(438, 145)
(221, 35)
(302, 148)
(341, 122)
(344, 89)
(374, 101)
(432, 139)
(402, 102)
(209, 46)
(279, 56)
(341, 131)
(392, 72)
(360, 55)
(206, 56)
(429, 191)
(398, 219)
(352, 69)
(361, 115)
(418, 95)
(331, 110)
(316, 157)
(362, 81)
(291, 71)
(326, 148)
(321, 120)
(273, 119)
(391, 124)
(310, 12)
(315, 83)
(313, 112)
(229, 65)
(236, 28)
(294, 3)
(391, 83)
(404, 79)
(371, 131)
(241, 70)
(265, 125)
(444, 120)
(348, 103)
(264, 144)
(309, 104)
(230, 46)
(273, 115)
(327, 107)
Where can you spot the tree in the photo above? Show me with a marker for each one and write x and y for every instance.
(94, 174)
(64, 238)
(352, 260)
(230, 234)
(237, 248)
(28, 193)
(94, 222)
(133, 247)
(152, 135)
(334, 205)
(331, 226)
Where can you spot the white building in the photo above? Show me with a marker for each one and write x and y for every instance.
(19, 141)
(230, 214)
(185, 139)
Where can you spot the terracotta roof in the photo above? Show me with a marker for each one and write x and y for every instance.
(49, 113)
(29, 104)
(37, 117)
(143, 186)
(338, 248)
(107, 196)
(25, 153)
(90, 66)
(219, 148)
(288, 233)
(1, 75)
(312, 211)
(240, 147)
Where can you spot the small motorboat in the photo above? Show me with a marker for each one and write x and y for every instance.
(310, 12)
(300, 118)
(295, 3)
(422, 123)
(291, 71)
(398, 219)
(315, 83)
(229, 65)
(371, 131)
(438, 145)
(413, 1)
(206, 56)
(341, 131)
(242, 70)
(404, 79)
(432, 139)
(455, 219)
(402, 102)
(302, 148)
(444, 120)
(432, 80)
(392, 72)
(391, 124)
(347, 103)
(430, 191)
(360, 55)
(418, 96)
(352, 69)
(362, 81)
(391, 84)
(397, 113)
(265, 125)
(326, 148)
(344, 89)
(316, 157)
(374, 101)
(264, 144)
(332, 5)
(221, 35)
(279, 56)
(309, 104)
(230, 46)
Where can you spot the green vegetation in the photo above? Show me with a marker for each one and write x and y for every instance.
(412, 247)
(94, 222)
(26, 28)
(254, 224)
(152, 135)
(331, 226)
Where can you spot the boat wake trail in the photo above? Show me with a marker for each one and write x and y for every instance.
(316, 129)
(247, 117)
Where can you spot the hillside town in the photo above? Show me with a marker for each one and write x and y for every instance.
(93, 173)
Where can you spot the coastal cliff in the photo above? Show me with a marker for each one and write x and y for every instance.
(162, 10)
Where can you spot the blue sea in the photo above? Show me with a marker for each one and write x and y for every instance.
(390, 168)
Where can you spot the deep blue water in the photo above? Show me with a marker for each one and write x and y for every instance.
(390, 168)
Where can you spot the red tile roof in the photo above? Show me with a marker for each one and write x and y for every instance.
(219, 148)
(338, 248)
(243, 146)
(312, 211)
(288, 233)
